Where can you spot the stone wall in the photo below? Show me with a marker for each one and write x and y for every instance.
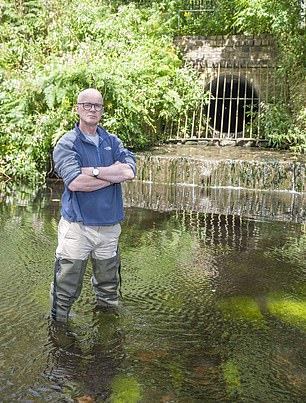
(251, 57)
(204, 167)
(235, 50)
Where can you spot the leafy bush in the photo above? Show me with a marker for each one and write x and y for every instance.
(50, 51)
(128, 55)
(278, 127)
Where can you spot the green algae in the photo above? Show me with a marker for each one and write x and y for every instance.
(176, 374)
(231, 377)
(288, 308)
(125, 389)
(242, 308)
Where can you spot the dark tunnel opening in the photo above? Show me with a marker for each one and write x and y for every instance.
(232, 103)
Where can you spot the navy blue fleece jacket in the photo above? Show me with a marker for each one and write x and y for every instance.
(73, 152)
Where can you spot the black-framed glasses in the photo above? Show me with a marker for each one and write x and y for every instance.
(87, 106)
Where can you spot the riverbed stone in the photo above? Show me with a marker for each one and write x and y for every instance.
(227, 143)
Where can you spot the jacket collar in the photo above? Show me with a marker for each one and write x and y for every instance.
(102, 133)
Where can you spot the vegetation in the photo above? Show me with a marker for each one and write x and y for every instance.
(52, 50)
(57, 51)
(125, 390)
(232, 378)
(290, 310)
(242, 308)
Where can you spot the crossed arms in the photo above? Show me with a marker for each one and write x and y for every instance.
(116, 173)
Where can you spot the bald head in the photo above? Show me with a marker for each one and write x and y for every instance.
(90, 109)
(90, 93)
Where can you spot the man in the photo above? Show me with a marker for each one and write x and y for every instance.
(92, 164)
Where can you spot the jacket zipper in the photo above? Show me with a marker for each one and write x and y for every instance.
(99, 156)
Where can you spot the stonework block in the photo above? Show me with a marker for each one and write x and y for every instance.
(245, 49)
(265, 42)
(257, 41)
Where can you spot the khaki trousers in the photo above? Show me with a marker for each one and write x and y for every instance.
(76, 242)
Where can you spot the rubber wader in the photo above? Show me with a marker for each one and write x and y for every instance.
(68, 282)
(66, 286)
(105, 280)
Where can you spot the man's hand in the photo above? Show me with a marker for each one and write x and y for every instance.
(115, 173)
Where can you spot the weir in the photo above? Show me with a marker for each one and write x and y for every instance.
(230, 180)
(233, 167)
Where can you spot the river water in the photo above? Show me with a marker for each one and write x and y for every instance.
(213, 309)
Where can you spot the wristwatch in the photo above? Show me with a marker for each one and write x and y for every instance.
(95, 172)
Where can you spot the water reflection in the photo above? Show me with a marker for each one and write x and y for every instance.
(213, 310)
(84, 361)
(271, 205)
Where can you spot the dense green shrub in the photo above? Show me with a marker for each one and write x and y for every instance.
(280, 129)
(49, 51)
(127, 54)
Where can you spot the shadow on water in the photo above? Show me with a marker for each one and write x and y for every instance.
(213, 309)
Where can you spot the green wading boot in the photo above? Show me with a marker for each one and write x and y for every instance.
(106, 280)
(66, 287)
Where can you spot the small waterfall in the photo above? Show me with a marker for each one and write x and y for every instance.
(232, 181)
(259, 170)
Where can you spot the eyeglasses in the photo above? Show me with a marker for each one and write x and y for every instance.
(87, 106)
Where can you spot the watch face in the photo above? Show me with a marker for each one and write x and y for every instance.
(95, 172)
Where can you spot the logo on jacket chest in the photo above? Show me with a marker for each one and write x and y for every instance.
(102, 157)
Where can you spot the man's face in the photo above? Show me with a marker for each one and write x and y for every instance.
(86, 107)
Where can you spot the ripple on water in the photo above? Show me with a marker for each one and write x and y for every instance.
(22, 329)
(185, 331)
